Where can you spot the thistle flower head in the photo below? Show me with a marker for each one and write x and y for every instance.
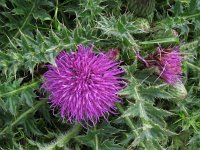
(83, 85)
(167, 62)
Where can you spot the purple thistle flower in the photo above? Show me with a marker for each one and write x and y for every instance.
(167, 62)
(83, 85)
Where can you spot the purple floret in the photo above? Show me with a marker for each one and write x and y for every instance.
(83, 85)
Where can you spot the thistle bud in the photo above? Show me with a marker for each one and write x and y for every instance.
(113, 54)
(179, 90)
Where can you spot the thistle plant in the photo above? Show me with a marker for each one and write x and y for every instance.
(70, 79)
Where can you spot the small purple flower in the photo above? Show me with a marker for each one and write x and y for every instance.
(167, 62)
(83, 85)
